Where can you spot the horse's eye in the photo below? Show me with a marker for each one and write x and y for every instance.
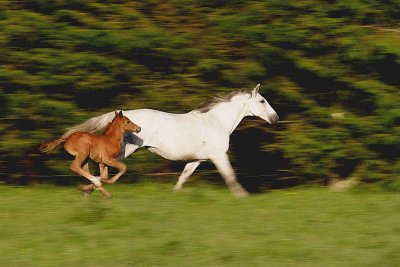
(262, 101)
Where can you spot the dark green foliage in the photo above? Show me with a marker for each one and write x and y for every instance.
(332, 67)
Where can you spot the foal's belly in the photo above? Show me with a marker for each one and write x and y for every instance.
(102, 153)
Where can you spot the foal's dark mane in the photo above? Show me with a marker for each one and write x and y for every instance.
(207, 105)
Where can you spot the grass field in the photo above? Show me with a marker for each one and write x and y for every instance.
(146, 224)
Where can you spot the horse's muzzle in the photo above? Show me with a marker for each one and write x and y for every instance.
(274, 119)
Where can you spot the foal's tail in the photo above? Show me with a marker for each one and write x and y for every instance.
(51, 145)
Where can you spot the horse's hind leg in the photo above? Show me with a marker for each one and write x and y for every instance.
(116, 164)
(187, 171)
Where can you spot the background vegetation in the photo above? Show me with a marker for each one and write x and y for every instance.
(329, 66)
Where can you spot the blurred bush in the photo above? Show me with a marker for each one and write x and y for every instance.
(65, 61)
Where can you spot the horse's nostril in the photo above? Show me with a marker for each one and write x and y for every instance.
(139, 129)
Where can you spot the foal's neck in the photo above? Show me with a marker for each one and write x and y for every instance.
(115, 132)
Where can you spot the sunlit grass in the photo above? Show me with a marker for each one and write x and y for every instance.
(146, 224)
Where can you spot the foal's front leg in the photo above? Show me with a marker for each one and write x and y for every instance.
(116, 164)
(103, 171)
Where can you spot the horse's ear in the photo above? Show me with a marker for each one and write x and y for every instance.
(255, 90)
(115, 113)
(120, 114)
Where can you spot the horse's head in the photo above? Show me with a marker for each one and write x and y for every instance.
(259, 106)
(126, 123)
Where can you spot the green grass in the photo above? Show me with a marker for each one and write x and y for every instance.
(146, 224)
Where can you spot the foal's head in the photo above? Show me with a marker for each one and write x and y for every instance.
(125, 123)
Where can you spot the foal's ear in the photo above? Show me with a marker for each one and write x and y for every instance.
(120, 114)
(255, 90)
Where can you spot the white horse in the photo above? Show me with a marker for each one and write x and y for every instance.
(199, 135)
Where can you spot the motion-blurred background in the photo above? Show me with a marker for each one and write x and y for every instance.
(331, 69)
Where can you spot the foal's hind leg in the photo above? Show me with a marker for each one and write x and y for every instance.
(86, 189)
(116, 164)
(76, 166)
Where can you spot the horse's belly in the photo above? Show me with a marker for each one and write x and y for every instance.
(186, 149)
(177, 154)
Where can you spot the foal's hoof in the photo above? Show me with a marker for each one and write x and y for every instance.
(86, 194)
(86, 190)
(104, 192)
(86, 187)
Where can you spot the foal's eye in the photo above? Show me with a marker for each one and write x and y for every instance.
(262, 101)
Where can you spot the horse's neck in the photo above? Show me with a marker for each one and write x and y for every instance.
(230, 114)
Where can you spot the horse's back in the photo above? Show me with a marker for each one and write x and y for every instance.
(172, 136)
(159, 124)
(152, 116)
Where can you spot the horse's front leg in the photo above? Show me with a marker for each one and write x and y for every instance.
(118, 165)
(224, 167)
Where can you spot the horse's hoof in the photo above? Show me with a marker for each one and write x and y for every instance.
(177, 189)
(241, 194)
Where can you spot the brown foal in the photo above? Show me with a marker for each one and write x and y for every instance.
(103, 149)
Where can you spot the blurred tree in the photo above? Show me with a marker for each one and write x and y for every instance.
(65, 61)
